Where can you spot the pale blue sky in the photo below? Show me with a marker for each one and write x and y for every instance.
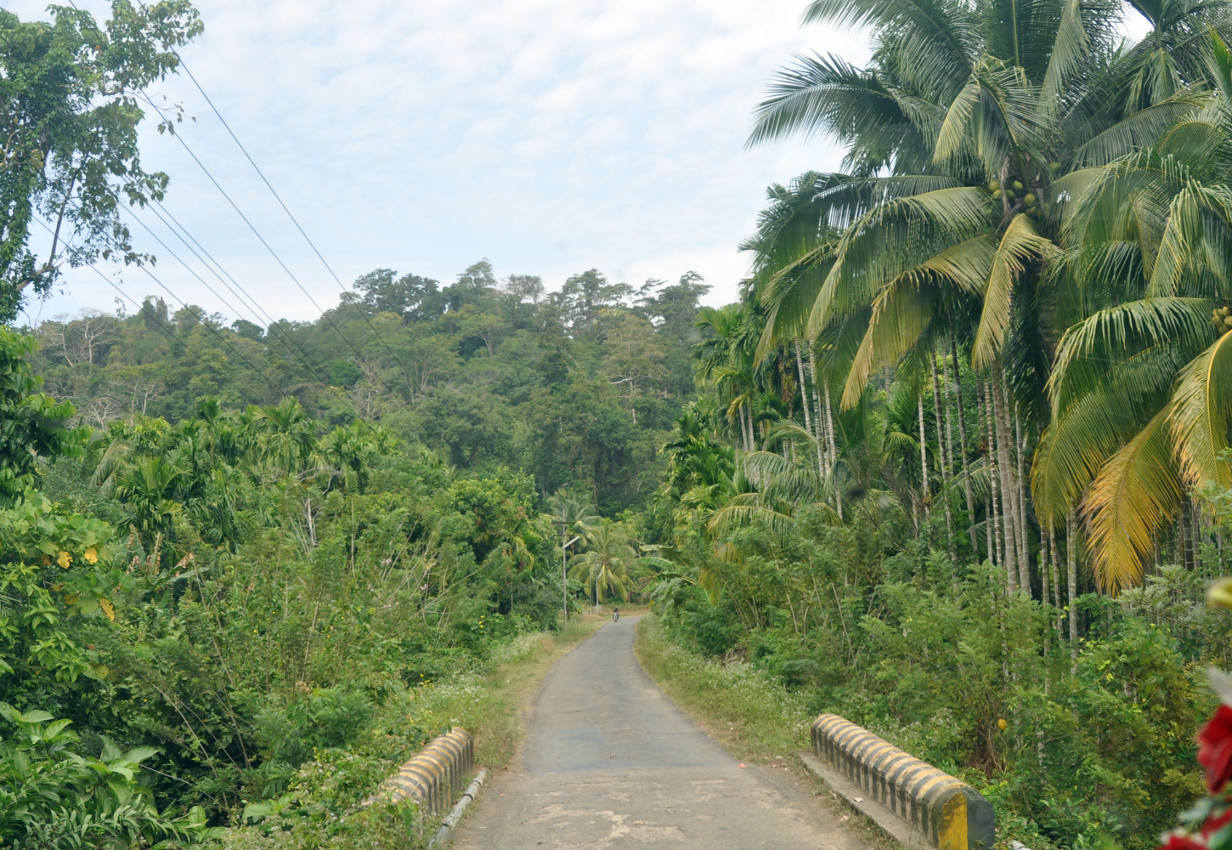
(549, 136)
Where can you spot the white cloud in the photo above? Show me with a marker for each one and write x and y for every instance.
(548, 135)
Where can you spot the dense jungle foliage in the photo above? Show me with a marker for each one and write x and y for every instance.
(960, 467)
(246, 612)
(577, 387)
(955, 466)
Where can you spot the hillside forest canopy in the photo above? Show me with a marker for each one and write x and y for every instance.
(955, 465)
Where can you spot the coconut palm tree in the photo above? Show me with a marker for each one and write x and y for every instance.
(604, 566)
(970, 136)
(1141, 391)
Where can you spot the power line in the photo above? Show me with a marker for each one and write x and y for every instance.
(329, 320)
(254, 230)
(198, 317)
(245, 298)
(133, 214)
(278, 198)
(307, 361)
(268, 185)
(216, 268)
(234, 206)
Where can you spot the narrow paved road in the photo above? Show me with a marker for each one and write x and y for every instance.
(610, 762)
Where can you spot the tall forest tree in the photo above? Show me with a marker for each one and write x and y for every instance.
(70, 160)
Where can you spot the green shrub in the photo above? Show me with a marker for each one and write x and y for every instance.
(321, 718)
(52, 796)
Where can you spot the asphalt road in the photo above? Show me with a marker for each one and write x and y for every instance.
(610, 762)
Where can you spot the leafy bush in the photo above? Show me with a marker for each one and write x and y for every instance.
(320, 718)
(934, 657)
(52, 796)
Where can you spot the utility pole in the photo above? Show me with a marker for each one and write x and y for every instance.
(564, 564)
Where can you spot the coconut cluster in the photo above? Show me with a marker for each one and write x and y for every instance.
(1221, 318)
(1016, 193)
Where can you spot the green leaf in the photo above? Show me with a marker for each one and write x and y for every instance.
(1135, 494)
(1020, 245)
(1201, 416)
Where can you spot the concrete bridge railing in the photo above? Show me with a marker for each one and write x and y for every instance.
(435, 775)
(947, 812)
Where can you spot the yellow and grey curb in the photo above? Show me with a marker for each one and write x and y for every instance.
(944, 811)
(434, 776)
(451, 820)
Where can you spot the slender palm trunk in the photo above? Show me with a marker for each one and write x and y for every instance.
(1055, 573)
(819, 444)
(1020, 498)
(1001, 429)
(1071, 576)
(944, 460)
(925, 494)
(1056, 565)
(815, 401)
(1196, 538)
(816, 395)
(962, 445)
(1009, 487)
(1044, 560)
(832, 443)
(992, 525)
(1189, 548)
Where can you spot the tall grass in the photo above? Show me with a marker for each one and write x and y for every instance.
(742, 707)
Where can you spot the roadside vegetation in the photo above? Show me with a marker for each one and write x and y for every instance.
(958, 469)
(746, 708)
(321, 810)
(955, 466)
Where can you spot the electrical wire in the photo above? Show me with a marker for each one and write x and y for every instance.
(257, 233)
(247, 300)
(197, 314)
(268, 185)
(329, 320)
(238, 211)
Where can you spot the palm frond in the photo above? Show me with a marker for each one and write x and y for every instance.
(1111, 334)
(952, 136)
(1220, 65)
(889, 240)
(745, 509)
(937, 39)
(1020, 244)
(1136, 131)
(1195, 240)
(1132, 498)
(1088, 428)
(1071, 46)
(1201, 416)
(827, 94)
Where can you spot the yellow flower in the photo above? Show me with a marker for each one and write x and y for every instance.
(64, 559)
(90, 555)
(1001, 724)
(108, 609)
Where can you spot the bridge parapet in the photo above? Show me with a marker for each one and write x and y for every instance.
(435, 775)
(947, 812)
